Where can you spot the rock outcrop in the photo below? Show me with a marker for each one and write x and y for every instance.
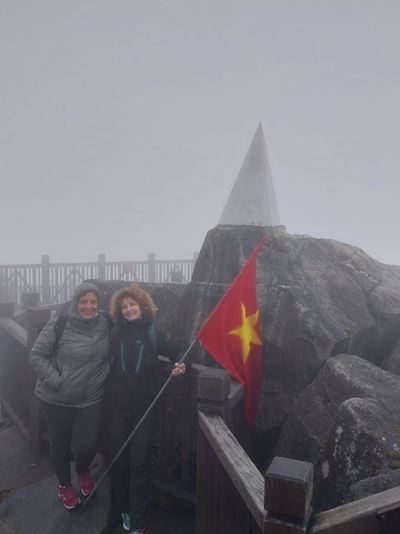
(364, 443)
(347, 423)
(318, 298)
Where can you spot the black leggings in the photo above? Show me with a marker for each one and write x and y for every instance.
(73, 429)
(130, 475)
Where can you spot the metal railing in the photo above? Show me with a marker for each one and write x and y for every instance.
(55, 282)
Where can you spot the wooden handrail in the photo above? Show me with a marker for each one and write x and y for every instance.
(358, 517)
(15, 330)
(243, 473)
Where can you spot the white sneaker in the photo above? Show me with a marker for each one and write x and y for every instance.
(126, 521)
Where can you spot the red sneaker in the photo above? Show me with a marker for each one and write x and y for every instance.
(68, 496)
(87, 483)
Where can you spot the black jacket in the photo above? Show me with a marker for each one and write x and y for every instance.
(135, 346)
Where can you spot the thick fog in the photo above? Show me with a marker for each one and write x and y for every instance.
(124, 123)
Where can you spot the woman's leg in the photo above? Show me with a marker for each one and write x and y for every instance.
(118, 429)
(59, 420)
(141, 450)
(85, 434)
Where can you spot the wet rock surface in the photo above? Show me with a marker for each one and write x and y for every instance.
(364, 442)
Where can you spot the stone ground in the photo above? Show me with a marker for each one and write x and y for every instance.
(29, 502)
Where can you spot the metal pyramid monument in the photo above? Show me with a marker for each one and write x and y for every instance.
(252, 200)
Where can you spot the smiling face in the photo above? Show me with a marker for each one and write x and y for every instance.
(130, 309)
(88, 305)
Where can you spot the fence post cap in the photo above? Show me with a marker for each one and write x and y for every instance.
(290, 469)
(214, 385)
(288, 488)
(30, 299)
(37, 316)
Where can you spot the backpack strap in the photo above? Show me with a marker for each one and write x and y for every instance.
(59, 327)
(153, 337)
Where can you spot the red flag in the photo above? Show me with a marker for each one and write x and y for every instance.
(232, 333)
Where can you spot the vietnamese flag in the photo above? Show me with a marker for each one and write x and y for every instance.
(232, 333)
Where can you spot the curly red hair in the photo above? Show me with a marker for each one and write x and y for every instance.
(146, 303)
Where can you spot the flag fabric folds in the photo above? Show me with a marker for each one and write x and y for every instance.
(232, 333)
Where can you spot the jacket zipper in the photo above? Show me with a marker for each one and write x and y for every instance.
(122, 356)
(139, 362)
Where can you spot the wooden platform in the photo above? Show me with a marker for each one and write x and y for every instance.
(29, 504)
(19, 467)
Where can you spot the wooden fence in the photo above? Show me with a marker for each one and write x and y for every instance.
(233, 496)
(55, 282)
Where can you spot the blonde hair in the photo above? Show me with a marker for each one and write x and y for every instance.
(146, 303)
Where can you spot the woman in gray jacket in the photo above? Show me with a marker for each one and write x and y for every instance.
(71, 374)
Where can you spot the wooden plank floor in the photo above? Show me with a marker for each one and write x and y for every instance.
(29, 504)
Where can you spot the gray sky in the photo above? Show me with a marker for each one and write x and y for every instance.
(124, 123)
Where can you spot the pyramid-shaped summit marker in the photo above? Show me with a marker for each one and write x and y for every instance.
(252, 200)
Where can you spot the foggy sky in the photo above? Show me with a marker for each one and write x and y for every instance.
(123, 124)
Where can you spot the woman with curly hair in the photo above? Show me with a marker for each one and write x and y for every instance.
(135, 345)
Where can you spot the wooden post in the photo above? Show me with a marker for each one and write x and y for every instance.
(288, 495)
(213, 388)
(151, 258)
(101, 266)
(46, 279)
(30, 299)
(215, 493)
(36, 318)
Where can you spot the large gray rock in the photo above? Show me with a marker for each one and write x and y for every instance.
(306, 431)
(323, 427)
(364, 443)
(369, 486)
(317, 298)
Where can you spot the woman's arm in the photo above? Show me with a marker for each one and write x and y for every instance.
(169, 348)
(40, 357)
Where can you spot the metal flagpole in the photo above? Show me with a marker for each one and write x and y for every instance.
(129, 438)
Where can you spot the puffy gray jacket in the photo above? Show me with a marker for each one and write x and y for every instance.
(75, 375)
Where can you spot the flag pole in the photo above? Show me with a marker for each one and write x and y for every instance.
(131, 435)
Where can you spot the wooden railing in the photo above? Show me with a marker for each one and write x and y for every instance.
(233, 496)
(55, 282)
(16, 376)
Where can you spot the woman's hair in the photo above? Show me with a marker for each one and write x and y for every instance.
(146, 303)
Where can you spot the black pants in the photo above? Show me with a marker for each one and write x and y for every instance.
(130, 475)
(71, 429)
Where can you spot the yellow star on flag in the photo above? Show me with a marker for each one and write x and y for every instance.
(246, 331)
